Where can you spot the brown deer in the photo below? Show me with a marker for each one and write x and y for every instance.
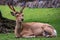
(31, 29)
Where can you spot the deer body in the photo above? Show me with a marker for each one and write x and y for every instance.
(36, 29)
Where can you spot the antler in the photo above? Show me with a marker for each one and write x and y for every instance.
(11, 7)
(24, 3)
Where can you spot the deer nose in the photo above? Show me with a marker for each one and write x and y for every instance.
(22, 19)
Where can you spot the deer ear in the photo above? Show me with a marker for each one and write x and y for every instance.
(12, 13)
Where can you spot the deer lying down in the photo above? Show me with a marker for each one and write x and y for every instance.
(31, 29)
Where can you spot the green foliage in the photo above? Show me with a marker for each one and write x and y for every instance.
(45, 15)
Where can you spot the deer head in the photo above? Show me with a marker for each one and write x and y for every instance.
(18, 15)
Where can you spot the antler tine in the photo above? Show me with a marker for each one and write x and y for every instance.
(11, 7)
(23, 7)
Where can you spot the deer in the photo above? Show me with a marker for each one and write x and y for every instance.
(31, 29)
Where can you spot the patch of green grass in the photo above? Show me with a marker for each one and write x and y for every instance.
(45, 15)
(11, 36)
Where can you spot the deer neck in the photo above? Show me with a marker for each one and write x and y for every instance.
(19, 24)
